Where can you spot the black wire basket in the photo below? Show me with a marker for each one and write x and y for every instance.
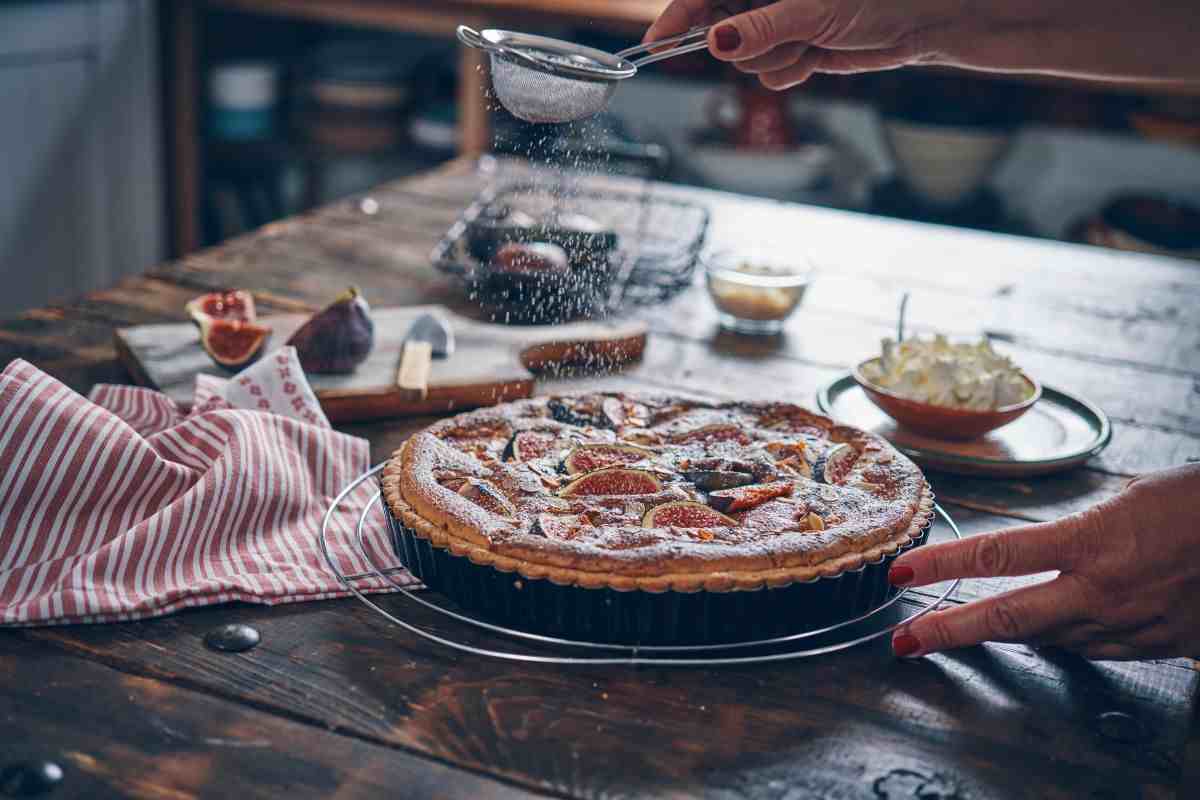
(643, 251)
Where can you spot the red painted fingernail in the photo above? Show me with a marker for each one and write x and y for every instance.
(905, 644)
(728, 38)
(901, 576)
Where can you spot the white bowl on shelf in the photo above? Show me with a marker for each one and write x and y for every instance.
(941, 164)
(770, 174)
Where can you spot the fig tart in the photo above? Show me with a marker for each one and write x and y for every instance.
(654, 520)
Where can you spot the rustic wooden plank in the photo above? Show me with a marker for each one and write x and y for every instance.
(831, 726)
(120, 735)
(1126, 392)
(72, 344)
(1139, 312)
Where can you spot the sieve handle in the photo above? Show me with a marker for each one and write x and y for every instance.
(471, 38)
(687, 42)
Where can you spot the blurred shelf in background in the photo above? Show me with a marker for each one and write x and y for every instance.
(372, 89)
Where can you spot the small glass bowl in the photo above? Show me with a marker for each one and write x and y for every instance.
(754, 294)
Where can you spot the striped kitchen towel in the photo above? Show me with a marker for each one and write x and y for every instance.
(120, 506)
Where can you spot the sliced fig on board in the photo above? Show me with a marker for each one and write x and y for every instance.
(591, 457)
(528, 445)
(746, 497)
(611, 482)
(230, 343)
(235, 305)
(686, 514)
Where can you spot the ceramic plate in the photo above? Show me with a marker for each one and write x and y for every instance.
(1061, 431)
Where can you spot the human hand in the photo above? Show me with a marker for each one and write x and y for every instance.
(785, 41)
(1128, 584)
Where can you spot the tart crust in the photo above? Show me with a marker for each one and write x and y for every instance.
(418, 485)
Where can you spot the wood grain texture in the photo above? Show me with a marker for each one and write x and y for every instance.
(832, 726)
(994, 721)
(121, 735)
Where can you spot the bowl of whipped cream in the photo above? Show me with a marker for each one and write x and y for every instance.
(947, 390)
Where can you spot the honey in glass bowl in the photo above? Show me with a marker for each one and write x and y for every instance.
(753, 294)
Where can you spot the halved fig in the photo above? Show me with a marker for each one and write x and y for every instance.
(718, 432)
(686, 514)
(587, 410)
(746, 497)
(230, 343)
(591, 457)
(561, 526)
(236, 305)
(612, 481)
(487, 497)
(528, 445)
(834, 465)
(710, 480)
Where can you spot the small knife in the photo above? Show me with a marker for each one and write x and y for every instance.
(428, 338)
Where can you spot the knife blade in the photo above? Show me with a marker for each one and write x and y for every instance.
(428, 338)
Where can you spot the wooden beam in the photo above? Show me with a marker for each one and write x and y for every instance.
(183, 25)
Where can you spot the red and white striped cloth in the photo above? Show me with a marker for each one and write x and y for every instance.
(121, 506)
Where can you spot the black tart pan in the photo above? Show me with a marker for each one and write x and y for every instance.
(639, 617)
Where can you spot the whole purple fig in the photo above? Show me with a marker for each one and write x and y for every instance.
(337, 338)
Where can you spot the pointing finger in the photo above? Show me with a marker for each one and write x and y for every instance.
(1014, 616)
(1021, 550)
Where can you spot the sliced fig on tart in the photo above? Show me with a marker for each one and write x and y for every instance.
(530, 445)
(591, 457)
(686, 514)
(611, 482)
(747, 497)
(834, 465)
(711, 480)
(561, 526)
(487, 497)
(717, 432)
(594, 411)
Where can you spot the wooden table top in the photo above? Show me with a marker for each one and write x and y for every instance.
(335, 702)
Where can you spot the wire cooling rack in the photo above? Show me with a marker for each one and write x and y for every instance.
(539, 649)
(659, 238)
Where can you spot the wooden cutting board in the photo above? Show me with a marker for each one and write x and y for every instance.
(490, 364)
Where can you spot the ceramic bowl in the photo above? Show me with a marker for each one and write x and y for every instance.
(941, 422)
(756, 303)
(759, 173)
(943, 164)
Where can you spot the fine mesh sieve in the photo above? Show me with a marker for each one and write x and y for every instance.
(540, 79)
